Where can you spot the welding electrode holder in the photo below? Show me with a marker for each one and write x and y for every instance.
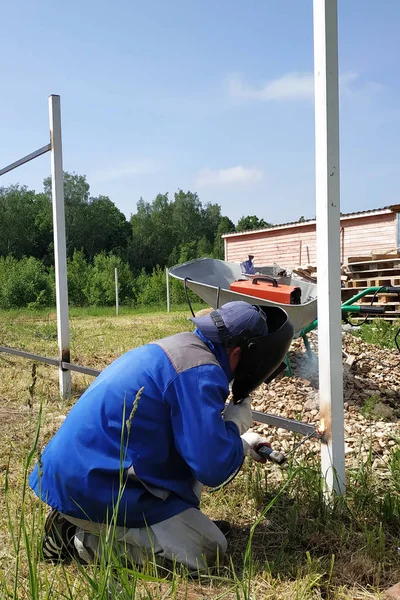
(272, 455)
(279, 458)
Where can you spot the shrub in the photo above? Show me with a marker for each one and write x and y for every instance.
(24, 282)
(79, 273)
(100, 288)
(151, 290)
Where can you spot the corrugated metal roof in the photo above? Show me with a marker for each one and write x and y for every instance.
(363, 213)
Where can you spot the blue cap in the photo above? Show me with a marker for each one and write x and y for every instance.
(238, 317)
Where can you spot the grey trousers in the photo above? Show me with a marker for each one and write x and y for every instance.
(189, 538)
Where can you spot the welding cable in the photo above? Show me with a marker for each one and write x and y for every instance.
(346, 319)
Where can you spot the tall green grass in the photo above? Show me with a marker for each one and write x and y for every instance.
(297, 546)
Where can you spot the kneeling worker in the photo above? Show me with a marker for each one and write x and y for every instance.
(143, 463)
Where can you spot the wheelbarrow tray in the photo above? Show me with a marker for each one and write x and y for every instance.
(211, 278)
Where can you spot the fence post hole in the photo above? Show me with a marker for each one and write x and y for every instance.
(60, 254)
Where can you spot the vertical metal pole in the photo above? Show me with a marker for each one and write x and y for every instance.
(60, 252)
(328, 242)
(116, 291)
(167, 281)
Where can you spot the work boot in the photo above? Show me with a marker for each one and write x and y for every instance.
(223, 526)
(58, 538)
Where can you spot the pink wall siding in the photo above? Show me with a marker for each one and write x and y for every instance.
(360, 236)
(297, 244)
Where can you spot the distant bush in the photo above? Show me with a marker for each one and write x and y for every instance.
(79, 274)
(28, 283)
(100, 289)
(151, 290)
(24, 283)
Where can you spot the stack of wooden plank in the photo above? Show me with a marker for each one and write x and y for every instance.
(309, 272)
(372, 271)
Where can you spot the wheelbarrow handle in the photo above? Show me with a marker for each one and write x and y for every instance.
(266, 278)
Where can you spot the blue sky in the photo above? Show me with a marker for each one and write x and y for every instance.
(211, 96)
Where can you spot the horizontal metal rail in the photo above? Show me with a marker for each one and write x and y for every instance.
(50, 361)
(26, 159)
(79, 369)
(35, 357)
(283, 422)
(269, 419)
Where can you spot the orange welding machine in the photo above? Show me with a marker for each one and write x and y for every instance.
(268, 288)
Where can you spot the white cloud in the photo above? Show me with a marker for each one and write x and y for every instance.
(350, 84)
(296, 86)
(226, 177)
(125, 170)
(291, 86)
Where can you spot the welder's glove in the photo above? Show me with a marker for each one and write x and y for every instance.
(252, 442)
(240, 414)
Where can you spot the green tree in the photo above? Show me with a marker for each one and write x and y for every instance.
(188, 251)
(204, 248)
(186, 217)
(25, 223)
(211, 217)
(76, 188)
(152, 238)
(107, 229)
(251, 222)
(76, 197)
(167, 232)
(225, 225)
(93, 225)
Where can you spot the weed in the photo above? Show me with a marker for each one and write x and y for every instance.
(367, 409)
(380, 332)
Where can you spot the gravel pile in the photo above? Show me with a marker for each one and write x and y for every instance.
(371, 399)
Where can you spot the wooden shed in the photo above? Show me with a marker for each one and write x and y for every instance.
(293, 244)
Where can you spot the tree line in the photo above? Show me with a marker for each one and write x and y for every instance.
(99, 237)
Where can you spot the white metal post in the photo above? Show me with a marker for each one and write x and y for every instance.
(167, 282)
(60, 253)
(116, 291)
(328, 242)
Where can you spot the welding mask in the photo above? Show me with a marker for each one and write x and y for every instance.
(262, 357)
(263, 333)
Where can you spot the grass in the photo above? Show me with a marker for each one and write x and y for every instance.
(286, 542)
(367, 409)
(380, 332)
